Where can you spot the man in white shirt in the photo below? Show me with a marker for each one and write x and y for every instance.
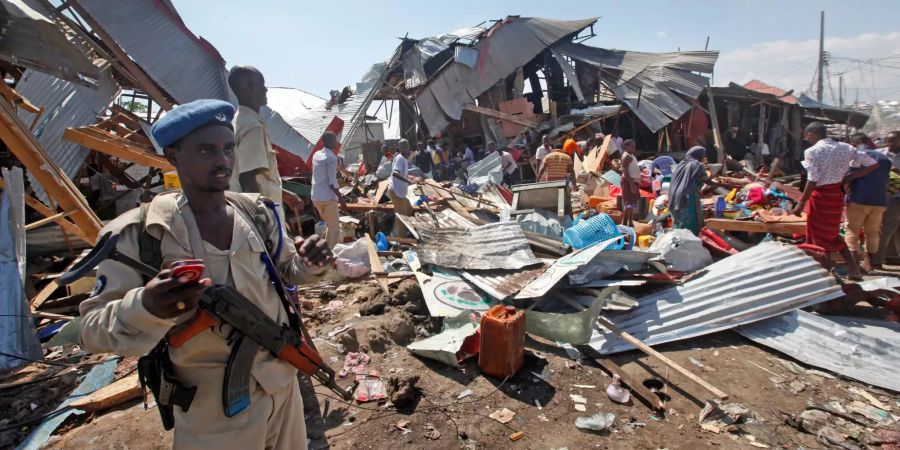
(542, 151)
(398, 187)
(827, 163)
(325, 193)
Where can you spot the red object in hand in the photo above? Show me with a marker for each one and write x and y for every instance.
(192, 268)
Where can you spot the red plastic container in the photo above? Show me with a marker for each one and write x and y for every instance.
(502, 341)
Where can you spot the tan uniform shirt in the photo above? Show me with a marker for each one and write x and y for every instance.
(254, 151)
(115, 320)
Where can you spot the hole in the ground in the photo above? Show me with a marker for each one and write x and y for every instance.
(655, 385)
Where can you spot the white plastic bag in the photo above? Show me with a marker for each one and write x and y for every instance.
(682, 251)
(352, 260)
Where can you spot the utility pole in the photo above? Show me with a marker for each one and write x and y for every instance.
(841, 91)
(821, 57)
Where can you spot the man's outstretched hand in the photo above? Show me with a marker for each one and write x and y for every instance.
(314, 251)
(166, 297)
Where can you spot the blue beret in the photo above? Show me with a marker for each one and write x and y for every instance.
(185, 118)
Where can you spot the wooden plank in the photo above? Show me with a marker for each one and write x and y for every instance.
(662, 358)
(382, 188)
(118, 392)
(115, 146)
(66, 225)
(717, 133)
(364, 207)
(501, 115)
(636, 386)
(752, 226)
(376, 263)
(46, 220)
(57, 184)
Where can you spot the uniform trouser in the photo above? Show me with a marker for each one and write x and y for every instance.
(328, 211)
(401, 206)
(890, 232)
(864, 218)
(270, 422)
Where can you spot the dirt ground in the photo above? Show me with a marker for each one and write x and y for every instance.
(438, 419)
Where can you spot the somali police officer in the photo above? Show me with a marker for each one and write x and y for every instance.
(129, 316)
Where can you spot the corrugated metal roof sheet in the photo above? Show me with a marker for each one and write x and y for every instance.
(415, 59)
(65, 104)
(185, 66)
(510, 44)
(654, 78)
(315, 120)
(499, 245)
(30, 37)
(292, 103)
(868, 351)
(502, 284)
(447, 218)
(759, 86)
(764, 281)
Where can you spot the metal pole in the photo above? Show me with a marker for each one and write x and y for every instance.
(821, 57)
(841, 91)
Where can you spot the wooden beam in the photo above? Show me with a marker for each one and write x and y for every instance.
(57, 184)
(144, 82)
(46, 220)
(662, 358)
(717, 133)
(375, 263)
(751, 226)
(44, 210)
(636, 386)
(501, 115)
(120, 391)
(115, 146)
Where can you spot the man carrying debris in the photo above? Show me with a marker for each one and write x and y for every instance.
(631, 180)
(827, 163)
(890, 231)
(325, 192)
(228, 233)
(255, 166)
(557, 166)
(398, 187)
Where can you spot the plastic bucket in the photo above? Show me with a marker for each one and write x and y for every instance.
(596, 229)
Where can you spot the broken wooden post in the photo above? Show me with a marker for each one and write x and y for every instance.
(640, 345)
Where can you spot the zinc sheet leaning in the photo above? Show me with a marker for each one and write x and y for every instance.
(510, 44)
(499, 245)
(647, 82)
(65, 104)
(764, 281)
(863, 350)
(154, 36)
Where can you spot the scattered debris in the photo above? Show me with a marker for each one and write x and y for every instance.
(516, 436)
(717, 418)
(597, 422)
(616, 392)
(432, 432)
(464, 394)
(503, 416)
(402, 389)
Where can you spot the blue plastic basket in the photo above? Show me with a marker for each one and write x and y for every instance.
(596, 229)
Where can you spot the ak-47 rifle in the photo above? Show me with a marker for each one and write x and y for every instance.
(224, 304)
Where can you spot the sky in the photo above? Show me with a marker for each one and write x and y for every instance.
(320, 46)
